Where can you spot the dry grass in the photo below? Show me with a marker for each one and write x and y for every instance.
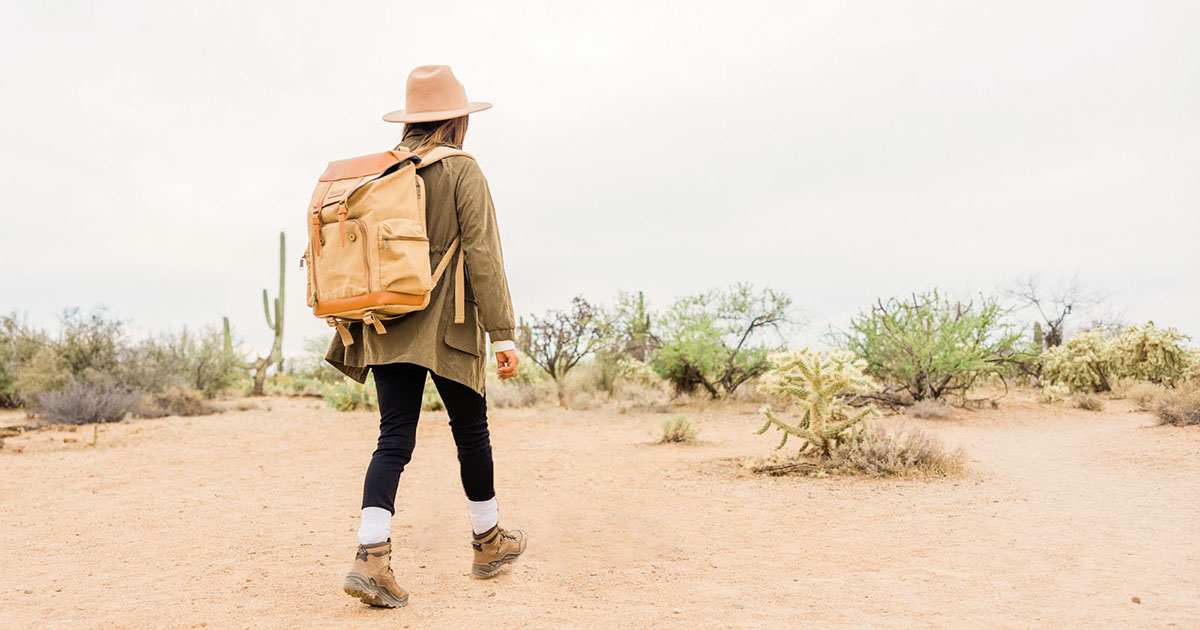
(175, 401)
(899, 451)
(931, 410)
(876, 451)
(1180, 406)
(84, 402)
(1089, 402)
(1144, 395)
(678, 430)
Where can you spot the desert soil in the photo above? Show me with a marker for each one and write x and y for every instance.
(246, 520)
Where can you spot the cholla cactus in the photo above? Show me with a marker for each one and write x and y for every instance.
(1087, 361)
(814, 379)
(1154, 354)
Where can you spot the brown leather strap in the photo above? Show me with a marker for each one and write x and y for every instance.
(459, 291)
(343, 331)
(370, 318)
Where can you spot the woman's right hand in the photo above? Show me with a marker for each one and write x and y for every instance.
(506, 364)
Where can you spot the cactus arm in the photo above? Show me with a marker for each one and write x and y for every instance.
(267, 309)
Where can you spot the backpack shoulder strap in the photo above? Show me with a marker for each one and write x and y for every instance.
(432, 157)
(441, 153)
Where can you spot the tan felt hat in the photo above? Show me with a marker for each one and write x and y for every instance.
(434, 94)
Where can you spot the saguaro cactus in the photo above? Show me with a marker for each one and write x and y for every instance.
(261, 365)
(813, 380)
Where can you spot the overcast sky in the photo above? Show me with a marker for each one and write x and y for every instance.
(837, 151)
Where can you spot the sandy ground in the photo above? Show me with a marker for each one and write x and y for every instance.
(246, 520)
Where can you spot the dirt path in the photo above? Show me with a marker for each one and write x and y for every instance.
(246, 520)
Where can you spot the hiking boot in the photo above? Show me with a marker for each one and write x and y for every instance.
(371, 578)
(495, 548)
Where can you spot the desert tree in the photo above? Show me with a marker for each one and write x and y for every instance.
(719, 339)
(931, 346)
(1054, 305)
(628, 338)
(558, 340)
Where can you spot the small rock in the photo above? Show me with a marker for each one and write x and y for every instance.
(737, 606)
(1136, 600)
(676, 611)
(28, 592)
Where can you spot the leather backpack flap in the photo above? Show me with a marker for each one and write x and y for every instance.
(342, 177)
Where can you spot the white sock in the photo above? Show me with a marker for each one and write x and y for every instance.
(484, 515)
(376, 526)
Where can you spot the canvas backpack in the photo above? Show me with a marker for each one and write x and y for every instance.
(368, 253)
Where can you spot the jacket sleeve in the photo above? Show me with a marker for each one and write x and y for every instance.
(481, 246)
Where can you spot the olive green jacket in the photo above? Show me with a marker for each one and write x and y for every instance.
(458, 200)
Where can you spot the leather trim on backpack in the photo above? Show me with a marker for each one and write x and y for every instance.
(366, 300)
(365, 165)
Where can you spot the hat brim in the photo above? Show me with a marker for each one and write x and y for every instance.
(403, 116)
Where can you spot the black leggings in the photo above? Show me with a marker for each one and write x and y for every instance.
(401, 387)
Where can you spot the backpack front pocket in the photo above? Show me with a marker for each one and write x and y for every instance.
(404, 257)
(340, 270)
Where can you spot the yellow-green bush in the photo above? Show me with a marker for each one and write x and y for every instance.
(1086, 361)
(1155, 355)
(1093, 360)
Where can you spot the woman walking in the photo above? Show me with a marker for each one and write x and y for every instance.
(429, 341)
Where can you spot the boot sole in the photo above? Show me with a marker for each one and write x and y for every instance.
(485, 570)
(371, 593)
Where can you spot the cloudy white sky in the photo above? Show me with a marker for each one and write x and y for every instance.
(837, 151)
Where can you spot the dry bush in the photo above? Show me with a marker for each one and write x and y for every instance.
(1089, 402)
(584, 401)
(1181, 406)
(501, 394)
(175, 401)
(83, 402)
(896, 452)
(873, 450)
(678, 430)
(931, 409)
(1053, 393)
(1144, 395)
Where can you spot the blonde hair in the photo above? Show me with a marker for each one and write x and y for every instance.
(439, 132)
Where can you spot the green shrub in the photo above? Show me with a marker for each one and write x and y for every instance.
(83, 402)
(311, 365)
(198, 361)
(41, 373)
(718, 339)
(18, 345)
(815, 382)
(350, 395)
(1180, 406)
(678, 430)
(930, 346)
(293, 384)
